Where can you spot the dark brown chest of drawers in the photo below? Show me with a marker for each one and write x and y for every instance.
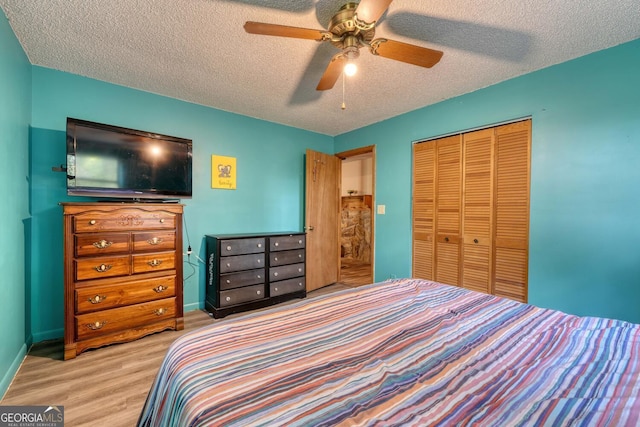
(249, 271)
(122, 272)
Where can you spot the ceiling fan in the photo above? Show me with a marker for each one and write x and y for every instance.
(351, 28)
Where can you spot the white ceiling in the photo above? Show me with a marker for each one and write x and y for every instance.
(197, 50)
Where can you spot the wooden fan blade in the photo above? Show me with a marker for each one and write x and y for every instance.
(404, 52)
(332, 73)
(370, 11)
(285, 31)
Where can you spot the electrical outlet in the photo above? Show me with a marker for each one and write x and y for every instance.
(381, 209)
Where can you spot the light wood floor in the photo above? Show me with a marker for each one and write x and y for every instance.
(104, 387)
(355, 273)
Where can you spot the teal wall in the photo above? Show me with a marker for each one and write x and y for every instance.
(270, 181)
(584, 246)
(15, 116)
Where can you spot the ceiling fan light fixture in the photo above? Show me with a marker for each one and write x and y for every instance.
(350, 69)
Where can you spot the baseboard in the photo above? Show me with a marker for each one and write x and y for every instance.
(48, 335)
(6, 380)
(194, 306)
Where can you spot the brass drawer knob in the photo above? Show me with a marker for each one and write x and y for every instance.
(97, 325)
(299, 283)
(160, 311)
(259, 245)
(259, 292)
(275, 274)
(299, 255)
(97, 299)
(160, 288)
(300, 241)
(92, 222)
(446, 239)
(102, 268)
(275, 259)
(475, 240)
(259, 276)
(228, 299)
(161, 220)
(275, 289)
(276, 244)
(228, 281)
(154, 262)
(299, 270)
(154, 241)
(228, 248)
(102, 244)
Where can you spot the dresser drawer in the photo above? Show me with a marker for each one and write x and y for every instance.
(286, 257)
(241, 262)
(240, 295)
(154, 241)
(242, 278)
(123, 220)
(109, 296)
(286, 272)
(241, 246)
(101, 244)
(98, 268)
(154, 262)
(284, 243)
(117, 319)
(287, 286)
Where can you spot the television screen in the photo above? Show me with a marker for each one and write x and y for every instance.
(110, 161)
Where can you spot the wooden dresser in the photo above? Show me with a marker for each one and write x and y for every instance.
(249, 271)
(122, 272)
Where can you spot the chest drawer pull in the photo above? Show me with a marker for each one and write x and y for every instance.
(92, 222)
(97, 299)
(97, 325)
(102, 244)
(155, 241)
(160, 311)
(160, 288)
(155, 262)
(102, 268)
(161, 220)
(258, 292)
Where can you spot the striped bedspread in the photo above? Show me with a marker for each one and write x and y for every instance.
(402, 352)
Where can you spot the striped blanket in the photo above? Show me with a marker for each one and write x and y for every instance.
(402, 352)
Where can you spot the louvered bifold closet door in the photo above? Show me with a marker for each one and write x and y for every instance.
(424, 169)
(511, 247)
(447, 219)
(477, 210)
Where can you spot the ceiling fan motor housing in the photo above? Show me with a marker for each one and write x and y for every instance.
(348, 32)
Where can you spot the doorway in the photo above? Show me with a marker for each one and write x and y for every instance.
(357, 196)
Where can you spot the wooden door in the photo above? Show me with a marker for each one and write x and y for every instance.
(511, 246)
(447, 207)
(322, 219)
(424, 179)
(477, 210)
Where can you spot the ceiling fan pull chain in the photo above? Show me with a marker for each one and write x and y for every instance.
(344, 106)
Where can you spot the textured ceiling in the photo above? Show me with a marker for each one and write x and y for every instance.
(197, 50)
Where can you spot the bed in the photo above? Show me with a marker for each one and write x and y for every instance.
(401, 352)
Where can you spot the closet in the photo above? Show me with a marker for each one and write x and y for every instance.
(471, 209)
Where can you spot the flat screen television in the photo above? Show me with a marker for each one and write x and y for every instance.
(115, 162)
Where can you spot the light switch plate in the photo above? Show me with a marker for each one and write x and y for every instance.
(381, 209)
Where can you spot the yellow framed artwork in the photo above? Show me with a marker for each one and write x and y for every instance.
(223, 172)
